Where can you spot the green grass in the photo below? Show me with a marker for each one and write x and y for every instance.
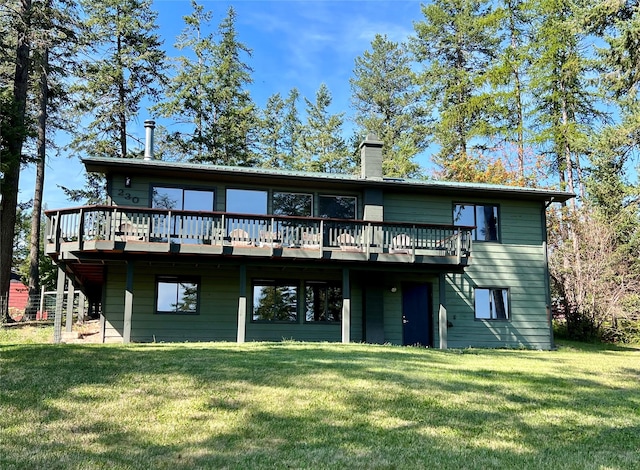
(26, 333)
(300, 405)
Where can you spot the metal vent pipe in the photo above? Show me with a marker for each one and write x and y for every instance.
(149, 126)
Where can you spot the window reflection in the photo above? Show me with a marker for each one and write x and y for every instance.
(491, 304)
(182, 199)
(337, 207)
(483, 217)
(275, 301)
(294, 204)
(176, 295)
(246, 201)
(323, 301)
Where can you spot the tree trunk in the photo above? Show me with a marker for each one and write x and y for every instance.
(36, 214)
(12, 156)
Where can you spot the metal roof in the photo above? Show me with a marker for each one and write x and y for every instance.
(112, 165)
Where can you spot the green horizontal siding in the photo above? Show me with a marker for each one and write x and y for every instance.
(417, 208)
(137, 195)
(519, 268)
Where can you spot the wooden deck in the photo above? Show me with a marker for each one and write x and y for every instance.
(95, 229)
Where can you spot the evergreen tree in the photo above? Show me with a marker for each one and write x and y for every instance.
(565, 108)
(508, 77)
(208, 96)
(125, 65)
(233, 113)
(292, 130)
(324, 149)
(55, 28)
(13, 134)
(457, 43)
(271, 139)
(279, 133)
(190, 93)
(386, 100)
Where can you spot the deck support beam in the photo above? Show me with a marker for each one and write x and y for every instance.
(57, 322)
(69, 320)
(442, 311)
(81, 307)
(346, 306)
(242, 305)
(128, 304)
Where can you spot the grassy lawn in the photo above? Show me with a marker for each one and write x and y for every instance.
(301, 405)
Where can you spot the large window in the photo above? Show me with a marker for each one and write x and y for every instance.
(492, 304)
(483, 217)
(323, 301)
(295, 204)
(246, 201)
(337, 207)
(275, 301)
(182, 199)
(176, 294)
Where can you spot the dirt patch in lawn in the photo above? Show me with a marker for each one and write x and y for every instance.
(88, 332)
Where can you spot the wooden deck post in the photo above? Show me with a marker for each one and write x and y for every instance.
(69, 320)
(442, 312)
(346, 306)
(81, 307)
(242, 305)
(128, 304)
(57, 322)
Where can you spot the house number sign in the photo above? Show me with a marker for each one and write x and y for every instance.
(127, 196)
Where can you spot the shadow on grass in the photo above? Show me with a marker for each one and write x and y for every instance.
(311, 406)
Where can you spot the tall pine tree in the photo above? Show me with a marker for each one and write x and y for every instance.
(233, 116)
(457, 44)
(386, 100)
(564, 104)
(324, 149)
(124, 66)
(190, 93)
(13, 133)
(508, 77)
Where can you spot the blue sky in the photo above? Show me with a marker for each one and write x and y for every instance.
(295, 44)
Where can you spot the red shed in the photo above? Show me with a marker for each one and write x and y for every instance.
(18, 298)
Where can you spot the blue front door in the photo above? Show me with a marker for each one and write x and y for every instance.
(416, 314)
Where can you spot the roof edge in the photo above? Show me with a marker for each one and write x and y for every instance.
(104, 164)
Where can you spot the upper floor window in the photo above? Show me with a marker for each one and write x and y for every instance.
(182, 199)
(337, 207)
(295, 204)
(491, 304)
(483, 216)
(247, 201)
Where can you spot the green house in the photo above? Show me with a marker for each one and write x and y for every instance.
(186, 252)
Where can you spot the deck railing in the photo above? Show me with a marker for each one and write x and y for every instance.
(157, 226)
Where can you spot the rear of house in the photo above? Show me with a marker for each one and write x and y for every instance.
(187, 252)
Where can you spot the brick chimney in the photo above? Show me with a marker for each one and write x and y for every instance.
(371, 157)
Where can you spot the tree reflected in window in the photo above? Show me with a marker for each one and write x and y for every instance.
(337, 207)
(483, 217)
(491, 304)
(176, 294)
(294, 204)
(323, 301)
(275, 301)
